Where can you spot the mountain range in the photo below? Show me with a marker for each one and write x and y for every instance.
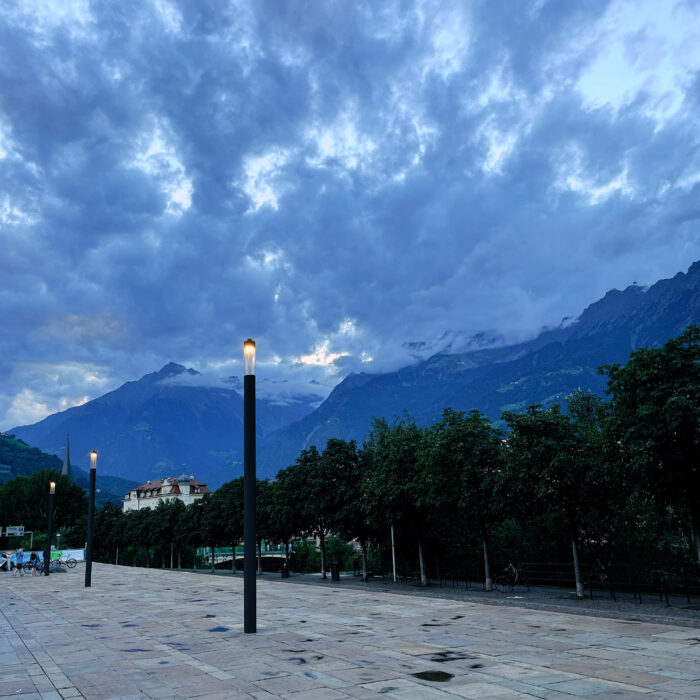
(511, 378)
(163, 424)
(152, 426)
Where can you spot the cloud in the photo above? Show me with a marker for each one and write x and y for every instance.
(355, 185)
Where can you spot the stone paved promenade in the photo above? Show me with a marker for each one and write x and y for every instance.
(162, 634)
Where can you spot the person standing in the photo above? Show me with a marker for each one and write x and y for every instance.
(19, 562)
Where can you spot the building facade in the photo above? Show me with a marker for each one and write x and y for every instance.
(183, 488)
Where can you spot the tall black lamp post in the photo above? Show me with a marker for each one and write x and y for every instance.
(91, 519)
(249, 536)
(47, 549)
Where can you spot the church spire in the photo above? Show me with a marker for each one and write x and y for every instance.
(66, 459)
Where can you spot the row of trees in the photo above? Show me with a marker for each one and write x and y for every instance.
(608, 481)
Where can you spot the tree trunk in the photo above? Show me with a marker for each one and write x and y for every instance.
(577, 568)
(148, 557)
(233, 558)
(286, 552)
(162, 558)
(322, 540)
(179, 557)
(259, 557)
(194, 559)
(488, 581)
(363, 543)
(213, 567)
(172, 547)
(423, 577)
(116, 558)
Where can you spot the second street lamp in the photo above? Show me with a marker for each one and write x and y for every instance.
(249, 536)
(47, 550)
(91, 519)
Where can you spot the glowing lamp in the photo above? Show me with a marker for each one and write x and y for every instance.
(93, 459)
(249, 357)
(52, 488)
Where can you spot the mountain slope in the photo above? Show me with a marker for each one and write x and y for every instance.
(544, 370)
(19, 459)
(160, 425)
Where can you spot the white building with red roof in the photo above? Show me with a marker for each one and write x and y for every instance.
(183, 488)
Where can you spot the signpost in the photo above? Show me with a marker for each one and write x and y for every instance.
(19, 531)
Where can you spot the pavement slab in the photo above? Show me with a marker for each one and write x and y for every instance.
(147, 633)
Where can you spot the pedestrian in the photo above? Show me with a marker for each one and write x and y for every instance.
(19, 562)
(34, 561)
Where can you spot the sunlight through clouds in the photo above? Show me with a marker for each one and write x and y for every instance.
(573, 177)
(341, 144)
(262, 181)
(644, 47)
(157, 157)
(321, 355)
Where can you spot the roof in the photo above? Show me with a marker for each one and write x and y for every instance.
(157, 485)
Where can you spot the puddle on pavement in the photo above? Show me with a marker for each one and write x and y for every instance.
(477, 666)
(458, 617)
(442, 656)
(208, 615)
(134, 650)
(434, 676)
(219, 629)
(432, 624)
(297, 660)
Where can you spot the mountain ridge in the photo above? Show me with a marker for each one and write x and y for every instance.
(152, 425)
(543, 370)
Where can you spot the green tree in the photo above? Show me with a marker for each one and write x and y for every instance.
(316, 499)
(264, 503)
(655, 416)
(229, 500)
(190, 529)
(166, 518)
(353, 517)
(396, 483)
(464, 461)
(555, 455)
(27, 498)
(138, 532)
(288, 517)
(109, 531)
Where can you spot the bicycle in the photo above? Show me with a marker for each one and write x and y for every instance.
(54, 566)
(508, 580)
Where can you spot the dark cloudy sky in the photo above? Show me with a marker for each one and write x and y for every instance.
(349, 183)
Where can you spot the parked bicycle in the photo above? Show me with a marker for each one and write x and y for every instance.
(55, 565)
(511, 576)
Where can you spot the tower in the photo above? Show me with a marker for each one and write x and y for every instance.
(66, 459)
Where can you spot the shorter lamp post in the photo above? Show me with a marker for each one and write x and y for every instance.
(47, 550)
(58, 541)
(91, 518)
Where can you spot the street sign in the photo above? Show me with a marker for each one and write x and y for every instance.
(14, 530)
